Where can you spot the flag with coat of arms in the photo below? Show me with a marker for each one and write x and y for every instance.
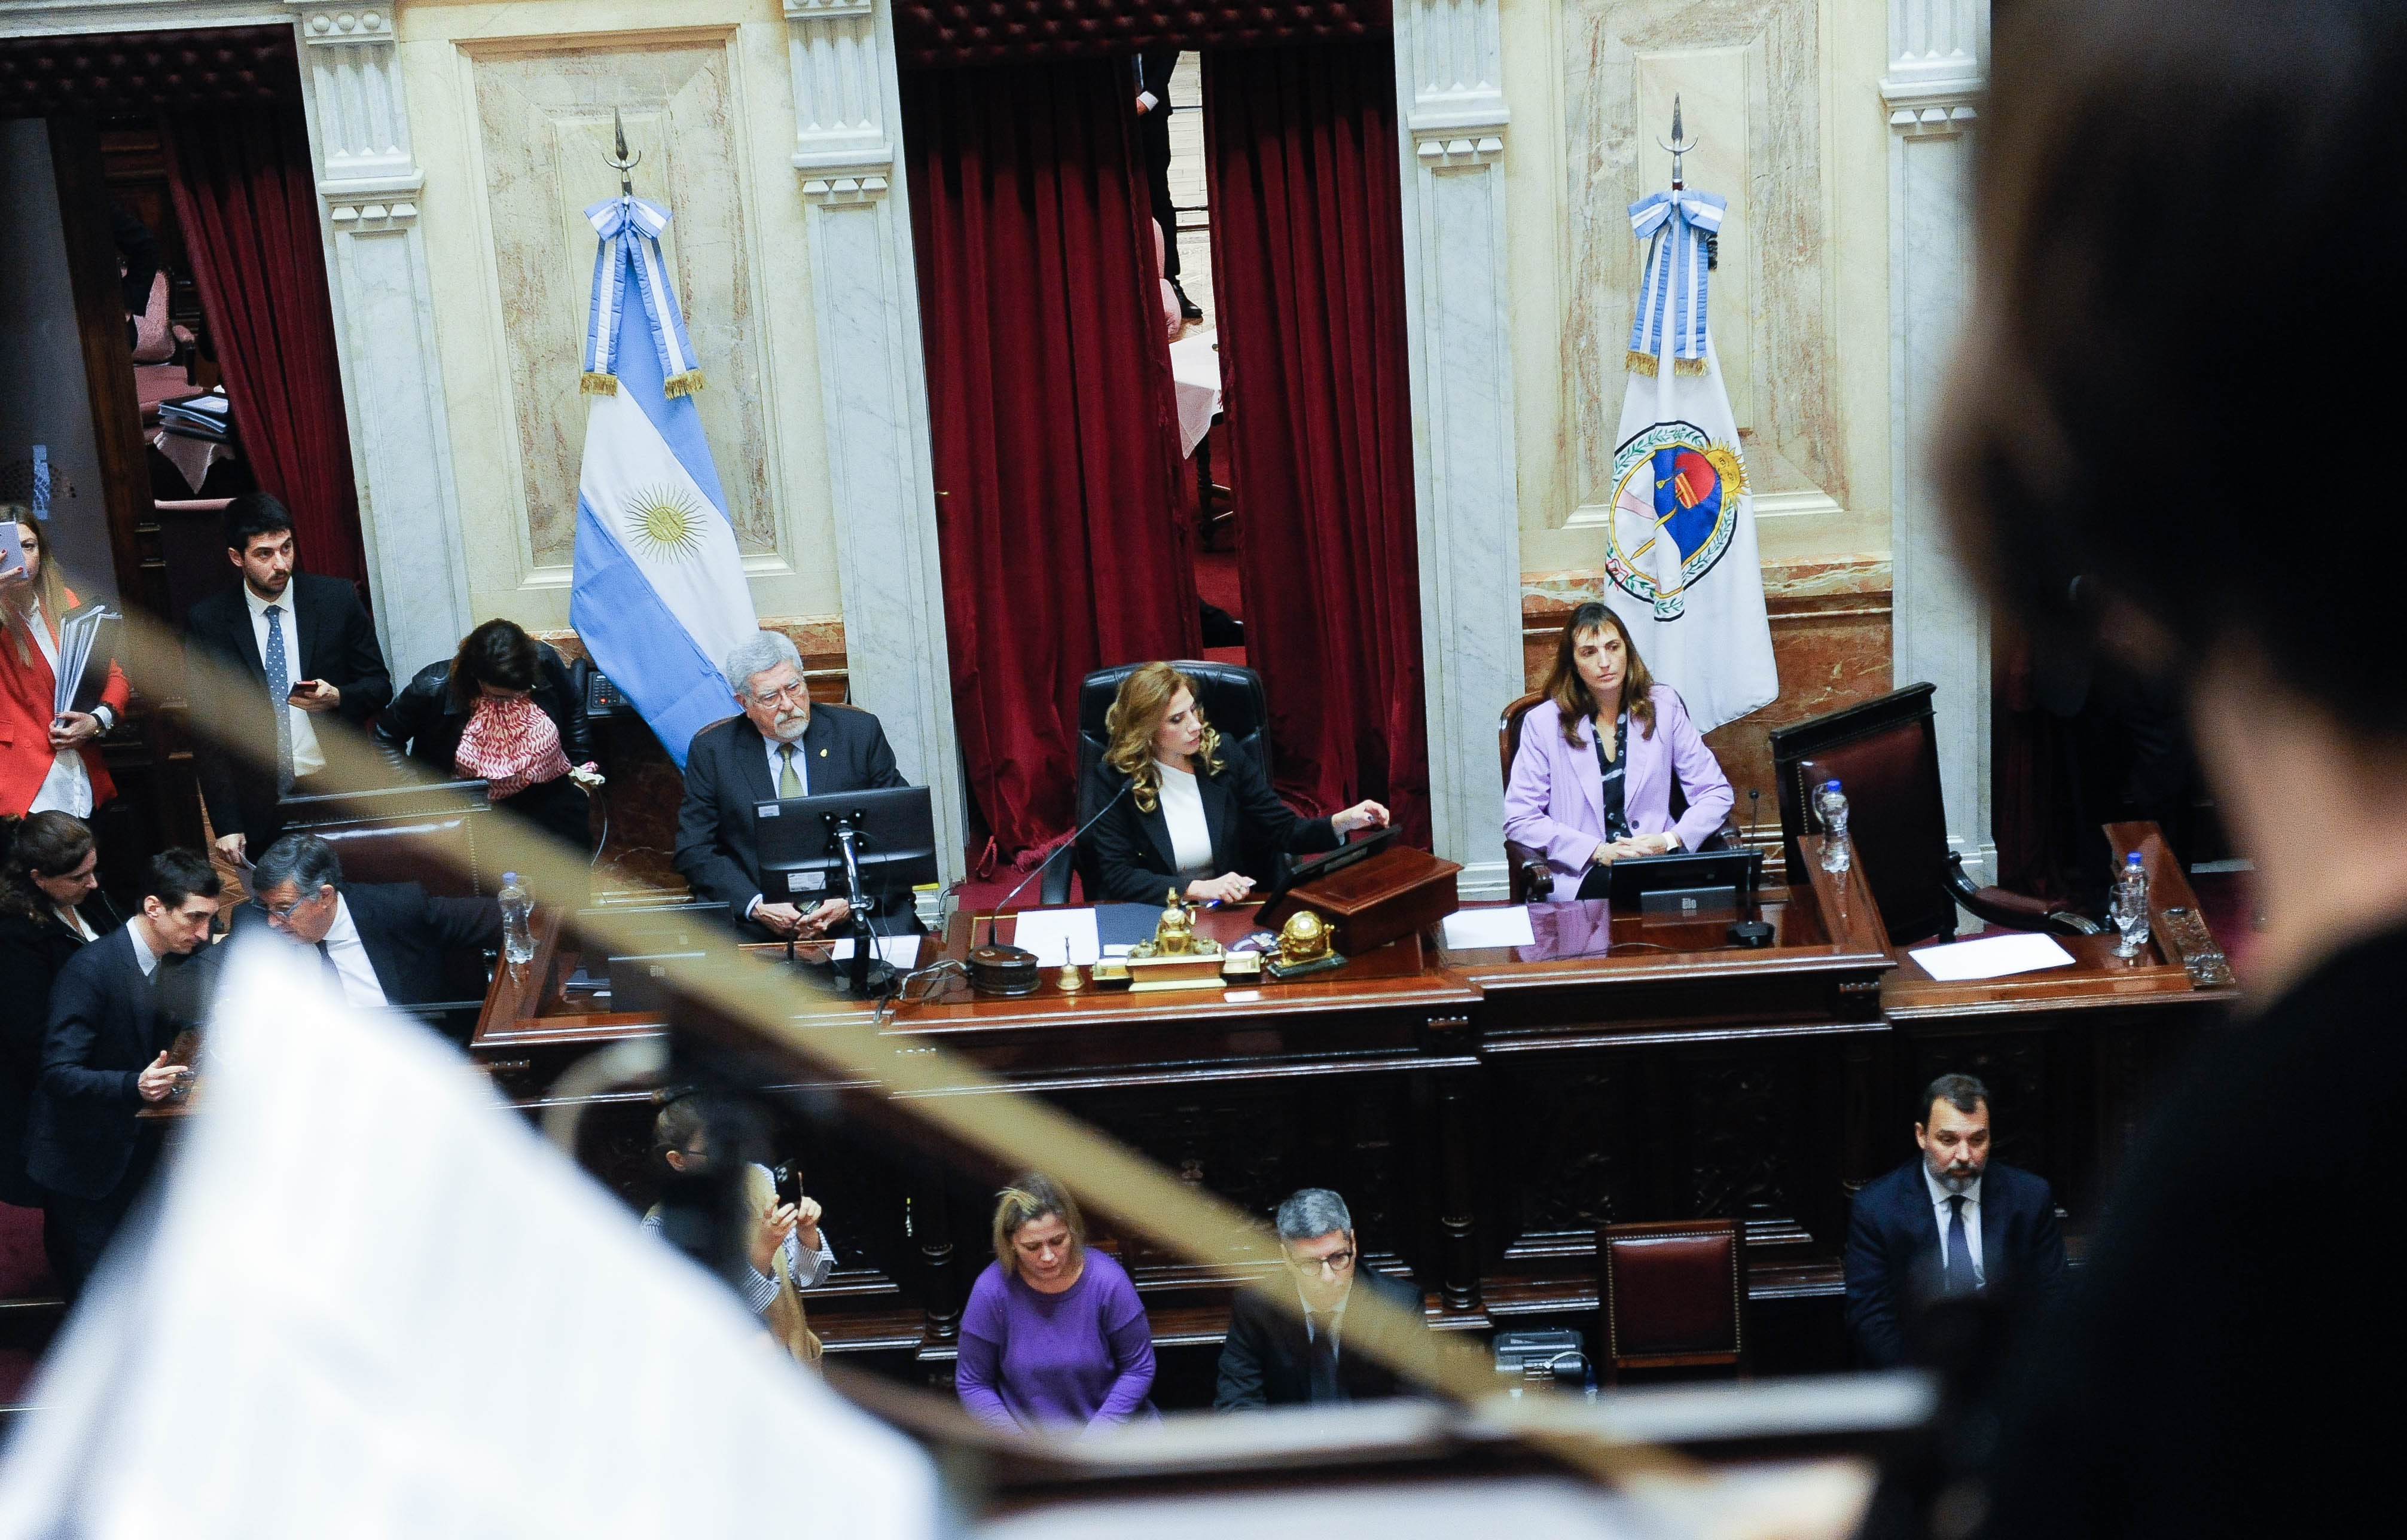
(1681, 566)
(659, 596)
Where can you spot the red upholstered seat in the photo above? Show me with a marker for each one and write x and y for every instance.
(1673, 1295)
(24, 1269)
(939, 33)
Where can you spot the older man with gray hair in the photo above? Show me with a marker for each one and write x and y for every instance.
(1279, 1355)
(782, 746)
(381, 944)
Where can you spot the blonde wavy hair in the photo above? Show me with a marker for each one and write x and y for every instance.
(49, 586)
(1031, 1196)
(1144, 700)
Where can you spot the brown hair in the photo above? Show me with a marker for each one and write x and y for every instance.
(1144, 700)
(49, 586)
(1031, 1196)
(1569, 691)
(40, 844)
(2131, 368)
(498, 653)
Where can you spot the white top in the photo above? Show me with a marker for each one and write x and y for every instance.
(142, 952)
(1182, 809)
(1939, 1196)
(307, 757)
(73, 919)
(350, 958)
(68, 787)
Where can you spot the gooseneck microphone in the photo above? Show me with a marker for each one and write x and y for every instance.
(1753, 934)
(1010, 969)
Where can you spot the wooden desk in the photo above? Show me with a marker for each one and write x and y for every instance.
(1481, 1110)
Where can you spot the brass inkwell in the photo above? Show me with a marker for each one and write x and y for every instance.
(1176, 958)
(1303, 947)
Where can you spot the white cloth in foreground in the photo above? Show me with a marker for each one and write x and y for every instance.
(375, 1303)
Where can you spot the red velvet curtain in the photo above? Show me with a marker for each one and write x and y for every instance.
(1050, 403)
(246, 198)
(1308, 277)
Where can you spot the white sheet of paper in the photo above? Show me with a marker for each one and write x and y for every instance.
(1469, 929)
(1047, 931)
(1992, 957)
(900, 951)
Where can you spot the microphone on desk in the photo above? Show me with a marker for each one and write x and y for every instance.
(1753, 933)
(1010, 969)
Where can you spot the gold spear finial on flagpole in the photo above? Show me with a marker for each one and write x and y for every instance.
(1675, 146)
(625, 162)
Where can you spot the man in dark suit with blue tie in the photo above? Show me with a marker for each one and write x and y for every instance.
(1950, 1221)
(114, 1012)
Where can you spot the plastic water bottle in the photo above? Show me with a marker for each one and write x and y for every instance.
(2131, 906)
(518, 915)
(1831, 803)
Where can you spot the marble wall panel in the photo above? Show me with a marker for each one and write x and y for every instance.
(1751, 78)
(645, 788)
(1830, 639)
(544, 121)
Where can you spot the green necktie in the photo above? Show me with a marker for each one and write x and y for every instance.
(790, 785)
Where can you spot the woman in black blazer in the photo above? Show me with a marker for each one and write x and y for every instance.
(50, 907)
(503, 709)
(1189, 809)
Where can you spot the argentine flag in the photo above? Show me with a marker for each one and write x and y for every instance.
(659, 596)
(1681, 568)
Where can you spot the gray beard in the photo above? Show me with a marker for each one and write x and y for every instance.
(1953, 1185)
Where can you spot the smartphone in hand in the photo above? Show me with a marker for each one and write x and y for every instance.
(12, 549)
(303, 686)
(789, 1179)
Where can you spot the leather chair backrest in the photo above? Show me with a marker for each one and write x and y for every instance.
(1885, 755)
(1674, 1291)
(426, 835)
(1508, 732)
(1233, 703)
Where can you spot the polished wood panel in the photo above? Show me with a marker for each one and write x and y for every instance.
(1483, 1110)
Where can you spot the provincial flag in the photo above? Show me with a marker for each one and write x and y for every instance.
(659, 596)
(1681, 565)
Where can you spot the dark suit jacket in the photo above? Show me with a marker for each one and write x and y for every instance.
(33, 949)
(727, 772)
(405, 934)
(1263, 1363)
(421, 723)
(1154, 67)
(1129, 850)
(1893, 1251)
(336, 643)
(108, 1022)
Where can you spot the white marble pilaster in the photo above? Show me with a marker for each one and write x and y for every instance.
(1942, 626)
(865, 304)
(384, 330)
(1449, 85)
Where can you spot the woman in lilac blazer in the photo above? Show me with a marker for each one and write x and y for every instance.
(1592, 781)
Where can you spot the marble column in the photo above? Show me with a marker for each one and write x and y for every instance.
(384, 331)
(865, 304)
(1942, 627)
(1449, 85)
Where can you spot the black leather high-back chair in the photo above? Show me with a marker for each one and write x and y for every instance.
(1233, 703)
(1885, 755)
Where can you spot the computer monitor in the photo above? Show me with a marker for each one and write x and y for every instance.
(1675, 883)
(802, 861)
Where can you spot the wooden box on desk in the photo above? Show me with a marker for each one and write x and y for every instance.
(1399, 891)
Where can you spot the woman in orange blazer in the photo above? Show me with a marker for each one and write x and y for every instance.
(46, 760)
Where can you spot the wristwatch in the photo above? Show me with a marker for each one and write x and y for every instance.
(105, 716)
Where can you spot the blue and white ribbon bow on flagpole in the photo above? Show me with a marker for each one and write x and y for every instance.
(659, 596)
(630, 229)
(1671, 297)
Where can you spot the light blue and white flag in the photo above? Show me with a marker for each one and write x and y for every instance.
(659, 596)
(1680, 564)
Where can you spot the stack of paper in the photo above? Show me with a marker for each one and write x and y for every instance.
(78, 633)
(201, 416)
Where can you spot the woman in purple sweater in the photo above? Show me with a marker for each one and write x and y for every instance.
(1054, 1333)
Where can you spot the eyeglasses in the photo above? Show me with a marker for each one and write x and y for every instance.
(795, 691)
(1330, 1266)
(284, 911)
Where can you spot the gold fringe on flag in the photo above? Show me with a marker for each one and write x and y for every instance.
(592, 383)
(1688, 366)
(1637, 363)
(682, 385)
